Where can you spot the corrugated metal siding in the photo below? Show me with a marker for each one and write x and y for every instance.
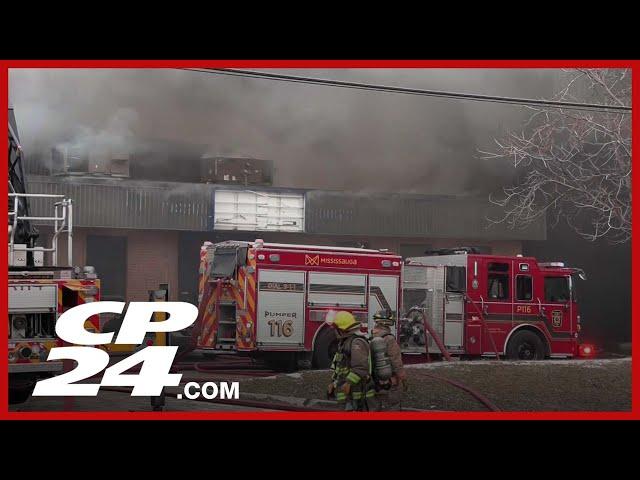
(127, 204)
(409, 216)
(122, 203)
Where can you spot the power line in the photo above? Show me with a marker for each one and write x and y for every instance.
(414, 91)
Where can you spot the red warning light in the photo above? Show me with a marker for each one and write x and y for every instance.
(586, 350)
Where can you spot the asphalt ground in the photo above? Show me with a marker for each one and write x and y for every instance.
(551, 385)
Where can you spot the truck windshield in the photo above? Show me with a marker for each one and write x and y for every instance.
(575, 279)
(556, 289)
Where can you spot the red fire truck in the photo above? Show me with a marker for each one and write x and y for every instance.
(492, 305)
(273, 299)
(39, 289)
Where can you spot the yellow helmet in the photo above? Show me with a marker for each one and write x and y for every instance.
(344, 320)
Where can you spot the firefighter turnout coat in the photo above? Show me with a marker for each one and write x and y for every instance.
(351, 364)
(391, 399)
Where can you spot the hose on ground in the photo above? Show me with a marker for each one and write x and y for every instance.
(475, 394)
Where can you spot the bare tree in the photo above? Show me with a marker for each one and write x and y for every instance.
(573, 164)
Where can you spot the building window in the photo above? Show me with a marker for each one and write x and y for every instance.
(498, 281)
(556, 289)
(256, 211)
(524, 287)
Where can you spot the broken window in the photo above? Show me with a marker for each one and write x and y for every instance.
(524, 287)
(224, 262)
(556, 289)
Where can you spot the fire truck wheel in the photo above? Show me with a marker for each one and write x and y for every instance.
(525, 345)
(325, 348)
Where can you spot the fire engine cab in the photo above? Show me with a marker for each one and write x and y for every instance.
(491, 305)
(273, 299)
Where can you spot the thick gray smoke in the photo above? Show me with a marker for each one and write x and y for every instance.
(318, 137)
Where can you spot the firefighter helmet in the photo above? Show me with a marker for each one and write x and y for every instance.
(384, 317)
(344, 320)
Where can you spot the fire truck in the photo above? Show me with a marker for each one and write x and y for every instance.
(39, 288)
(489, 305)
(273, 299)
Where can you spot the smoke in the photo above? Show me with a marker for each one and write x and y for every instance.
(117, 135)
(318, 137)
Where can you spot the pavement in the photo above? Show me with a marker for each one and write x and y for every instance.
(550, 385)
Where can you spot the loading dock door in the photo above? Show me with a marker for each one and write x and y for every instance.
(108, 254)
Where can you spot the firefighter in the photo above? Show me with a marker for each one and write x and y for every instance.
(351, 383)
(391, 381)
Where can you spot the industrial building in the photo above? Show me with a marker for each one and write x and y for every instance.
(140, 227)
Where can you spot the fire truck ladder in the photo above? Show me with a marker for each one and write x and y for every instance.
(62, 220)
(210, 288)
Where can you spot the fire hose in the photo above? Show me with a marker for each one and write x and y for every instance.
(475, 394)
(433, 334)
(478, 396)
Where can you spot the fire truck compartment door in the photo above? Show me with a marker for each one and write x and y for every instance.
(280, 308)
(337, 289)
(33, 298)
(453, 321)
(383, 294)
(424, 288)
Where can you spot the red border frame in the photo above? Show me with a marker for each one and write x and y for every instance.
(635, 412)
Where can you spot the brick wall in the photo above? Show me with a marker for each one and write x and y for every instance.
(152, 257)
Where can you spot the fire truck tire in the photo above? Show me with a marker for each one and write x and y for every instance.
(324, 348)
(525, 345)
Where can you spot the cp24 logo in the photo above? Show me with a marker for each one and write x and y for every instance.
(156, 360)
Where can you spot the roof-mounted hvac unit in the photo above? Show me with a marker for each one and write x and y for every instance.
(73, 160)
(238, 171)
